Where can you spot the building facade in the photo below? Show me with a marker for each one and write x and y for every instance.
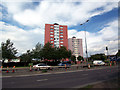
(56, 34)
(75, 45)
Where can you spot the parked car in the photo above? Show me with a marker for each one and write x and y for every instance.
(98, 62)
(64, 63)
(42, 66)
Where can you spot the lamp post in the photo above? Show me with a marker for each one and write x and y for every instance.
(85, 41)
(107, 52)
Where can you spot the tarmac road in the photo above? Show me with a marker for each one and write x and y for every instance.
(62, 80)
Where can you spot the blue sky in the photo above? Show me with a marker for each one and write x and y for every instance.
(26, 21)
(98, 22)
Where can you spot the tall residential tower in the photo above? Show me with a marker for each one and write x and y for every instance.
(56, 34)
(75, 45)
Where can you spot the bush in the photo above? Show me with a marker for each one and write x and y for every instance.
(107, 61)
(30, 64)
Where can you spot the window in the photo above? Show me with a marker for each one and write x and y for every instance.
(61, 30)
(61, 38)
(61, 27)
(51, 35)
(51, 41)
(61, 33)
(57, 45)
(51, 29)
(51, 32)
(51, 38)
(61, 45)
(61, 42)
(51, 44)
(51, 26)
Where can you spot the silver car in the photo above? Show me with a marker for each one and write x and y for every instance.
(42, 66)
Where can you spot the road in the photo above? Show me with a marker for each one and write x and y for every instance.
(62, 80)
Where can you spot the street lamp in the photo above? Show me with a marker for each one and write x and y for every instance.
(85, 41)
(107, 52)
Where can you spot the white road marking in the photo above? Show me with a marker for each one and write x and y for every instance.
(42, 80)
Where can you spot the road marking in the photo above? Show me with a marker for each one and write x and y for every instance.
(42, 80)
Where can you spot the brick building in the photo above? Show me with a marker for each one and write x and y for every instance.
(56, 34)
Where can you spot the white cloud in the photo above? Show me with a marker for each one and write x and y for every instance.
(97, 42)
(62, 12)
(23, 40)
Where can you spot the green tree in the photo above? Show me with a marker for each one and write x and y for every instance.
(26, 57)
(48, 51)
(73, 58)
(36, 53)
(80, 58)
(0, 53)
(98, 57)
(63, 52)
(8, 50)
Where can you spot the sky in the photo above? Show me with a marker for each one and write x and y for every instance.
(23, 22)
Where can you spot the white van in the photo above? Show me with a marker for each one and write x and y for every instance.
(98, 62)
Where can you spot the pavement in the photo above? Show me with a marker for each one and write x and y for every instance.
(75, 79)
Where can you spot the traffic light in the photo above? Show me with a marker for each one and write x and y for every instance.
(106, 48)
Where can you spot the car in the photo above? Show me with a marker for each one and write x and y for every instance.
(64, 63)
(98, 62)
(42, 66)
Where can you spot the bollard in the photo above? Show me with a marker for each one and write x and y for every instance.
(30, 68)
(7, 70)
(88, 66)
(115, 63)
(110, 64)
(13, 70)
(1, 68)
(65, 67)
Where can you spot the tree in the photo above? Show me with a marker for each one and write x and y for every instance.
(48, 51)
(80, 58)
(69, 53)
(0, 53)
(73, 58)
(8, 51)
(38, 47)
(26, 57)
(56, 53)
(98, 57)
(63, 52)
(36, 53)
